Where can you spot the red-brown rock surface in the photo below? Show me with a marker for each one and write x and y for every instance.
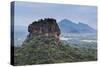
(44, 27)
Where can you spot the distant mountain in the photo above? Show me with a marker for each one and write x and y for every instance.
(68, 26)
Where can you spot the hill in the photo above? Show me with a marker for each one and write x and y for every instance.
(67, 26)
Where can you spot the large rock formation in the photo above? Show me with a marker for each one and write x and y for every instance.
(44, 27)
(40, 47)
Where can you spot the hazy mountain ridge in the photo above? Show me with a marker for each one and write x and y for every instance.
(68, 26)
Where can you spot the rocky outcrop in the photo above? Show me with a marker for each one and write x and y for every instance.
(43, 49)
(44, 27)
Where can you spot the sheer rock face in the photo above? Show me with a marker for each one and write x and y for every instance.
(44, 27)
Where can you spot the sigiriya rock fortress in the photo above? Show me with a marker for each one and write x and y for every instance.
(44, 27)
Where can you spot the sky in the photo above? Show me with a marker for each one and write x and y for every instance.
(27, 12)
